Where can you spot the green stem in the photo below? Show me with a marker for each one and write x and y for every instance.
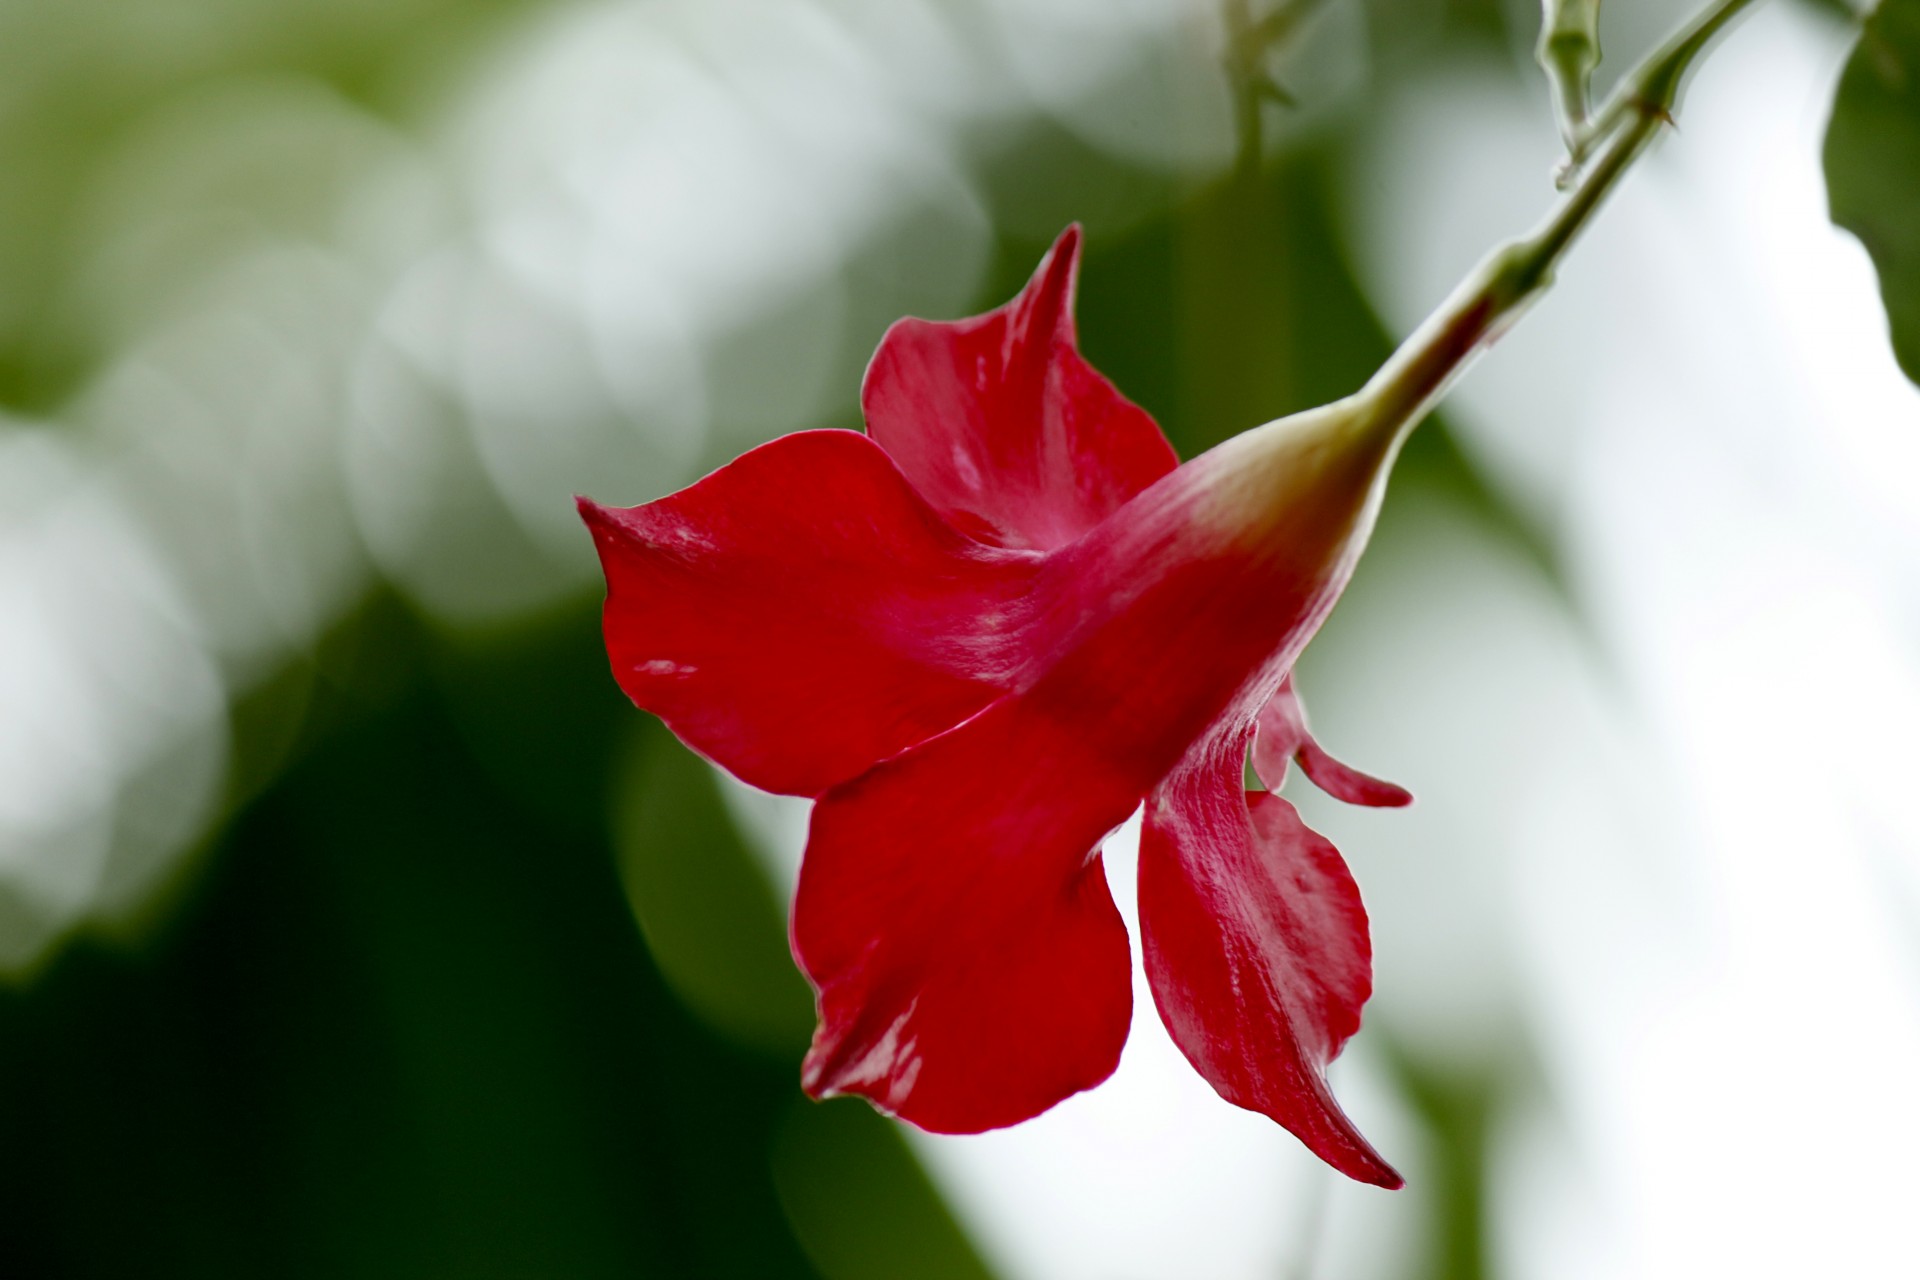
(1568, 52)
(1250, 43)
(1657, 80)
(1512, 277)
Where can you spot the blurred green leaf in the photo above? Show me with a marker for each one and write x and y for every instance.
(1873, 164)
(404, 1029)
(859, 1202)
(706, 908)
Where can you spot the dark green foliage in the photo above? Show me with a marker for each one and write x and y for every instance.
(409, 1028)
(1873, 164)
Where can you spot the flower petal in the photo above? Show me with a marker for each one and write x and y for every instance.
(1346, 783)
(802, 613)
(1283, 735)
(1256, 948)
(1001, 423)
(952, 913)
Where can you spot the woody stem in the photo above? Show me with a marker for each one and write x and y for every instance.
(1505, 283)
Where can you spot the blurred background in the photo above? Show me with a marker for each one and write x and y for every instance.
(353, 924)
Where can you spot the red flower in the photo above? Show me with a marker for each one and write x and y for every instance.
(981, 635)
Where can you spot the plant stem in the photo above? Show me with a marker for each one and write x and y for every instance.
(1507, 281)
(1568, 51)
(1250, 43)
(1657, 80)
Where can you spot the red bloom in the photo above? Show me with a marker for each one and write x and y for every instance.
(982, 635)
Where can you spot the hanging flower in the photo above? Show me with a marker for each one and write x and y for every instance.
(981, 636)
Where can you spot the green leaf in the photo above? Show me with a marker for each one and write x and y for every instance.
(1873, 164)
(706, 909)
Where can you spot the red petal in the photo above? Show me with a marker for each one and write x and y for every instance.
(1283, 734)
(952, 913)
(1256, 948)
(970, 967)
(1002, 425)
(802, 613)
(1345, 783)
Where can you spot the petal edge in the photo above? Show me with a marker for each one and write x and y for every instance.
(1001, 423)
(801, 613)
(971, 967)
(1256, 950)
(1282, 734)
